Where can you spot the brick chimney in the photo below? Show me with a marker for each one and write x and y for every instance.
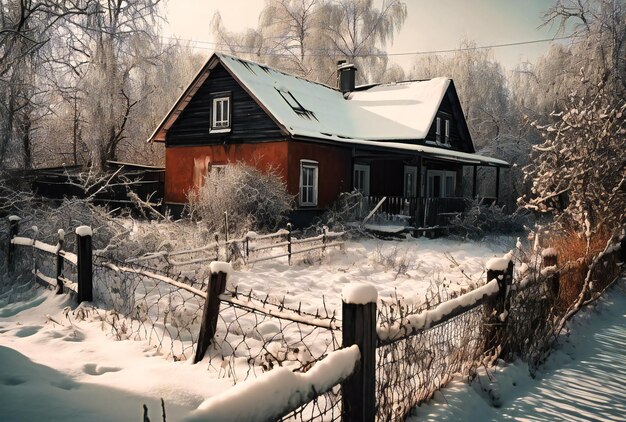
(346, 76)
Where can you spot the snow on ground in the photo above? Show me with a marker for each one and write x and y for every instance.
(57, 368)
(410, 268)
(581, 381)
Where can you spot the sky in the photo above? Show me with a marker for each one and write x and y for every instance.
(430, 25)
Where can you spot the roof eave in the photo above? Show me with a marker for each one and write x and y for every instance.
(160, 133)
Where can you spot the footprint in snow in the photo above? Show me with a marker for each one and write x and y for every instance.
(28, 331)
(94, 369)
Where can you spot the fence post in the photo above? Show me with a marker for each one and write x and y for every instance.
(217, 246)
(14, 223)
(217, 286)
(358, 392)
(85, 264)
(550, 259)
(226, 225)
(60, 262)
(497, 308)
(324, 239)
(289, 244)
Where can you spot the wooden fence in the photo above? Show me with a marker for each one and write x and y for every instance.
(81, 260)
(496, 309)
(281, 244)
(379, 386)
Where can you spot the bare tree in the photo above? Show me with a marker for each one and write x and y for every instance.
(358, 31)
(307, 37)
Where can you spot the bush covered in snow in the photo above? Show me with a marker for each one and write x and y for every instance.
(254, 200)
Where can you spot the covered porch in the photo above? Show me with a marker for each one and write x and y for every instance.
(427, 185)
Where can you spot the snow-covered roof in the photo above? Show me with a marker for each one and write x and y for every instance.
(372, 116)
(395, 111)
(433, 152)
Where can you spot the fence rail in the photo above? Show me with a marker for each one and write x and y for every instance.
(244, 248)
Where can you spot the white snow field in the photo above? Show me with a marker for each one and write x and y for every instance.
(57, 368)
(583, 380)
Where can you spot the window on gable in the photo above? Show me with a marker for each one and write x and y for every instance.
(220, 113)
(442, 131)
(308, 182)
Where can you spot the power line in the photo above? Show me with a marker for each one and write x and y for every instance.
(249, 50)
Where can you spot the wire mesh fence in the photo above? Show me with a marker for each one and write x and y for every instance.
(254, 336)
(326, 407)
(531, 318)
(411, 369)
(138, 303)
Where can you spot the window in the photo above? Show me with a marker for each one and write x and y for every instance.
(295, 104)
(362, 178)
(308, 182)
(442, 131)
(220, 114)
(217, 168)
(441, 184)
(410, 181)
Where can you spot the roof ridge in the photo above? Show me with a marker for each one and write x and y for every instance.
(221, 55)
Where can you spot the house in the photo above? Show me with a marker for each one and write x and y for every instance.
(406, 140)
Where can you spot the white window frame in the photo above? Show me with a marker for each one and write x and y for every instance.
(309, 165)
(224, 124)
(219, 168)
(365, 168)
(438, 130)
(412, 170)
(447, 132)
(443, 175)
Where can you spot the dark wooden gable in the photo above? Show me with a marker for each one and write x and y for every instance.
(249, 122)
(450, 108)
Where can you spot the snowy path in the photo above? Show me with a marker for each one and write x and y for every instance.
(583, 381)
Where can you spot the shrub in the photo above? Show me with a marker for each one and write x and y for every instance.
(575, 256)
(479, 219)
(348, 208)
(254, 200)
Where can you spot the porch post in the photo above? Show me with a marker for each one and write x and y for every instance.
(474, 180)
(351, 187)
(497, 184)
(418, 192)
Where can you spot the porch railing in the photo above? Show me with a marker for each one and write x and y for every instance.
(423, 212)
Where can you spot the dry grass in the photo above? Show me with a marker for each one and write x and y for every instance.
(574, 259)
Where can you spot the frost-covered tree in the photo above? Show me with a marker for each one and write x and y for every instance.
(578, 173)
(598, 48)
(117, 39)
(307, 37)
(27, 52)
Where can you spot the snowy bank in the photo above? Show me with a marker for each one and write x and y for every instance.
(278, 391)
